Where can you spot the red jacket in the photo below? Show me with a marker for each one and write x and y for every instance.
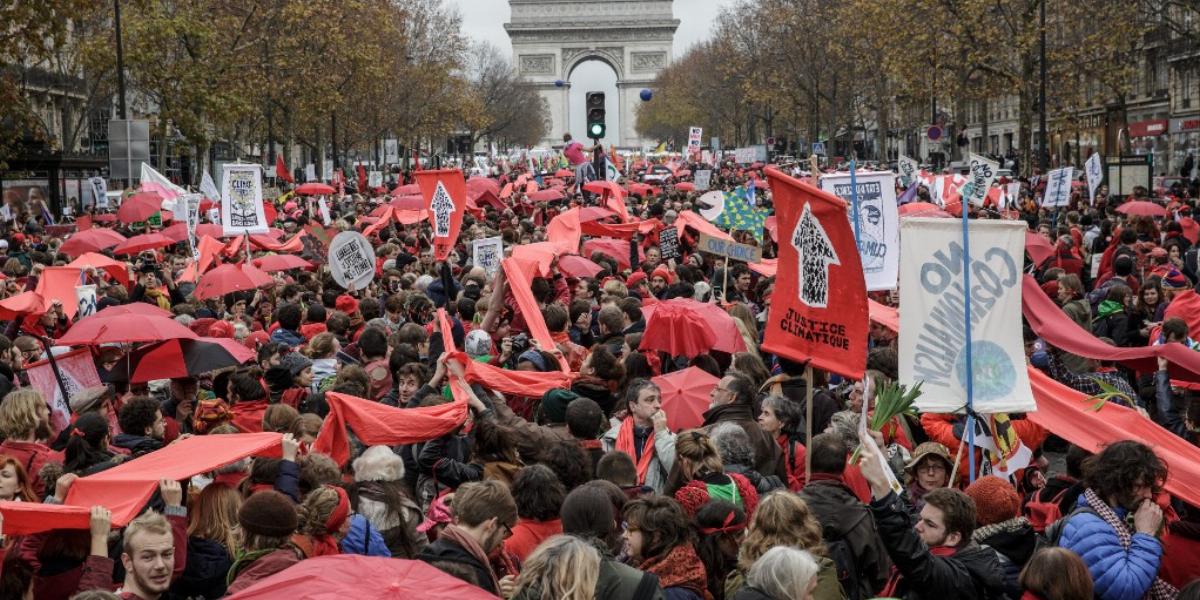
(940, 428)
(248, 416)
(1181, 547)
(527, 534)
(33, 456)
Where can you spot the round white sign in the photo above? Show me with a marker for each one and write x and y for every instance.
(352, 260)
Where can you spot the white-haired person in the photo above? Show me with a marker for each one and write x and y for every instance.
(783, 573)
(563, 567)
(380, 494)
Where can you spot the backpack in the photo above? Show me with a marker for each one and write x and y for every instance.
(1055, 530)
(209, 414)
(843, 560)
(1042, 513)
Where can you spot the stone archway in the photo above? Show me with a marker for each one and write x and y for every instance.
(551, 37)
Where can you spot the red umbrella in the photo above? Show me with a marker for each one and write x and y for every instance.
(686, 186)
(564, 173)
(108, 328)
(143, 309)
(618, 249)
(1038, 247)
(683, 173)
(678, 331)
(340, 576)
(407, 190)
(578, 266)
(115, 268)
(594, 213)
(229, 278)
(480, 184)
(409, 202)
(104, 218)
(922, 209)
(639, 189)
(139, 207)
(91, 240)
(314, 189)
(146, 241)
(176, 358)
(1142, 208)
(604, 188)
(729, 338)
(25, 303)
(281, 262)
(178, 231)
(545, 196)
(685, 396)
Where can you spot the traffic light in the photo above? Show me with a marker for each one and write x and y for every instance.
(595, 114)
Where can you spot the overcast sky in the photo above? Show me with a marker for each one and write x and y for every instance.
(484, 20)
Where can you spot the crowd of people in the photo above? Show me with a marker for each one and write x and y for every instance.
(586, 491)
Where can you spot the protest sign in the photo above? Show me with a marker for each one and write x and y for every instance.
(750, 154)
(78, 373)
(668, 243)
(191, 213)
(731, 250)
(907, 169)
(1095, 175)
(85, 299)
(878, 223)
(818, 312)
(352, 260)
(1014, 194)
(241, 200)
(310, 172)
(323, 208)
(99, 192)
(445, 195)
(933, 333)
(374, 179)
(694, 135)
(1058, 188)
(487, 253)
(208, 187)
(981, 174)
(703, 178)
(391, 151)
(711, 205)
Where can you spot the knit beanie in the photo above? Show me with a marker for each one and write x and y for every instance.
(295, 362)
(995, 500)
(268, 513)
(554, 405)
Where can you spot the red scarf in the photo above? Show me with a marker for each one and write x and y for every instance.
(625, 444)
(893, 582)
(681, 567)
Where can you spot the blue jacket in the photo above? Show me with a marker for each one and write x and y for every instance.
(289, 338)
(1118, 574)
(364, 539)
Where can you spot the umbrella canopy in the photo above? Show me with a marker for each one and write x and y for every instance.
(640, 189)
(171, 359)
(618, 249)
(25, 303)
(139, 207)
(104, 218)
(545, 196)
(409, 202)
(91, 240)
(1038, 247)
(146, 241)
(281, 262)
(314, 189)
(341, 576)
(685, 396)
(1142, 208)
(604, 188)
(728, 337)
(686, 186)
(922, 209)
(564, 173)
(109, 328)
(229, 278)
(115, 268)
(594, 213)
(406, 190)
(178, 232)
(678, 331)
(578, 266)
(144, 309)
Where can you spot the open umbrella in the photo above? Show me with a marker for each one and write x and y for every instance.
(229, 278)
(409, 202)
(25, 303)
(91, 240)
(564, 173)
(104, 218)
(143, 309)
(1142, 208)
(594, 213)
(170, 359)
(728, 337)
(139, 243)
(604, 188)
(281, 262)
(178, 231)
(314, 189)
(115, 268)
(545, 196)
(685, 396)
(578, 266)
(139, 207)
(1038, 247)
(639, 189)
(341, 576)
(406, 190)
(618, 249)
(105, 328)
(678, 331)
(922, 209)
(686, 186)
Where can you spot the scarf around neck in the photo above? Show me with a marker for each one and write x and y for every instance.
(625, 443)
(458, 535)
(1159, 590)
(680, 567)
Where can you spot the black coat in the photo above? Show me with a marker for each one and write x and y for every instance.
(768, 457)
(972, 573)
(843, 517)
(1016, 541)
(446, 551)
(208, 563)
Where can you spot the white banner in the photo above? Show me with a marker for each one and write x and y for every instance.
(979, 179)
(99, 192)
(703, 178)
(908, 170)
(1058, 188)
(932, 324)
(191, 211)
(1014, 195)
(352, 260)
(879, 223)
(694, 135)
(374, 179)
(1095, 175)
(310, 172)
(391, 151)
(85, 298)
(242, 200)
(208, 187)
(487, 253)
(323, 207)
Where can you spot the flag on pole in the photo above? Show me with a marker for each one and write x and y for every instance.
(445, 198)
(208, 187)
(281, 170)
(740, 215)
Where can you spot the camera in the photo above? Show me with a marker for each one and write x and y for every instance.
(520, 343)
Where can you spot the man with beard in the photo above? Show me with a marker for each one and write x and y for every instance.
(142, 426)
(150, 557)
(484, 515)
(25, 425)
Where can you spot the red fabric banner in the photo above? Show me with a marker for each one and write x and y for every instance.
(124, 489)
(564, 231)
(528, 384)
(445, 194)
(58, 283)
(522, 290)
(377, 424)
(819, 310)
(281, 170)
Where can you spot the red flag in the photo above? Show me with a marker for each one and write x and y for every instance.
(819, 309)
(445, 194)
(281, 171)
(362, 179)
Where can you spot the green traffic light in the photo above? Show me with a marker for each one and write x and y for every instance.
(597, 130)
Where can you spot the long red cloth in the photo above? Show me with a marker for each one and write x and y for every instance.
(1054, 326)
(1068, 414)
(380, 424)
(126, 488)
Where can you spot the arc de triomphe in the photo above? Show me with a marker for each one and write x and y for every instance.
(552, 37)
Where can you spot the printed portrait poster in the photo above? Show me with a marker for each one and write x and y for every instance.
(351, 260)
(242, 200)
(908, 170)
(879, 223)
(819, 309)
(488, 253)
(932, 344)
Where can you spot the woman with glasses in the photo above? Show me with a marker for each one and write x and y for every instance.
(929, 469)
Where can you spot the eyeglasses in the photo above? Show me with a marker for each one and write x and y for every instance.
(931, 467)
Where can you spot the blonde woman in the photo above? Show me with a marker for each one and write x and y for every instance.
(562, 568)
(784, 519)
(213, 537)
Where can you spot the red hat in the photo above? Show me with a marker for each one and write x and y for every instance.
(995, 499)
(664, 272)
(634, 279)
(220, 329)
(256, 340)
(18, 238)
(346, 304)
